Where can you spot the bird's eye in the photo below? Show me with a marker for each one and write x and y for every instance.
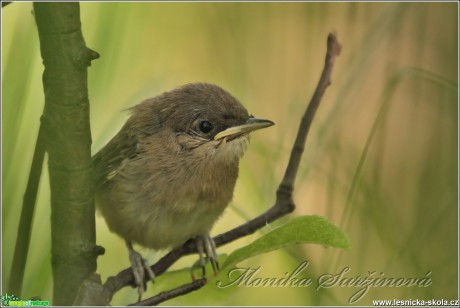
(206, 126)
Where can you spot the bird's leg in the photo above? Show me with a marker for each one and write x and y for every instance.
(139, 266)
(200, 248)
(205, 244)
(212, 253)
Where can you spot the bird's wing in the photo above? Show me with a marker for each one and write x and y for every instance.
(126, 145)
(111, 158)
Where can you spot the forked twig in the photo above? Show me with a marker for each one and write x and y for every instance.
(164, 296)
(283, 205)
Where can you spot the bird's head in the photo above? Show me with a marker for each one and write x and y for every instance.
(201, 118)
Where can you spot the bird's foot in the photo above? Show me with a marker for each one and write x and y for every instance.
(139, 267)
(205, 245)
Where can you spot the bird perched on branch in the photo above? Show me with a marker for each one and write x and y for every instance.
(170, 172)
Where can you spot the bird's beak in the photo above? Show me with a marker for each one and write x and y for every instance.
(251, 124)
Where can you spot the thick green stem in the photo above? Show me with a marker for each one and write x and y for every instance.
(68, 140)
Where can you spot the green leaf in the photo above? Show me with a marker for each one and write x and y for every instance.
(300, 230)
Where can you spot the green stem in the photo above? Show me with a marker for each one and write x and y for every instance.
(68, 139)
(21, 249)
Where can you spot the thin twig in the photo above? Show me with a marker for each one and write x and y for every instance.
(21, 249)
(164, 296)
(283, 204)
(333, 50)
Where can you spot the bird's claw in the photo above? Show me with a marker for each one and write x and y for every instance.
(205, 245)
(140, 267)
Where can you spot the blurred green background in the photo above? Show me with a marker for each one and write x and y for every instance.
(380, 161)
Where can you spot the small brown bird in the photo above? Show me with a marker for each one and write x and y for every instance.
(170, 172)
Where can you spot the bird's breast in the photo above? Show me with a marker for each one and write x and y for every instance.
(162, 204)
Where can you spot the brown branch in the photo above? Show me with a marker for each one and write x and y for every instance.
(283, 204)
(333, 50)
(164, 296)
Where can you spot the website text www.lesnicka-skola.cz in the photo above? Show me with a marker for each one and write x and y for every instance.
(415, 302)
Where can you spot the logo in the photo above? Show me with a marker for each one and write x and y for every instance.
(12, 300)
